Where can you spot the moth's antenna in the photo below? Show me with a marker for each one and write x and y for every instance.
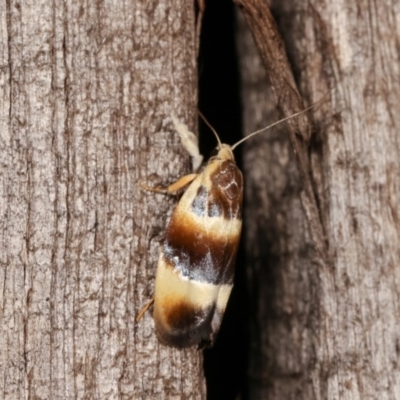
(210, 126)
(278, 122)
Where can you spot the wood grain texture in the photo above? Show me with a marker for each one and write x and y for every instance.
(326, 330)
(86, 92)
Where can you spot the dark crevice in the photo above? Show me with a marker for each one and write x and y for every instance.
(225, 365)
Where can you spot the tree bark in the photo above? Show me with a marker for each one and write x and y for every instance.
(86, 91)
(325, 305)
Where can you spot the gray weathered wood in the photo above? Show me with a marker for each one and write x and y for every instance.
(86, 93)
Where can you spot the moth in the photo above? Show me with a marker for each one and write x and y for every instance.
(195, 270)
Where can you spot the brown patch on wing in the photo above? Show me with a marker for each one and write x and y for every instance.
(186, 326)
(227, 189)
(198, 255)
(182, 315)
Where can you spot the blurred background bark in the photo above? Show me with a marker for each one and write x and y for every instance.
(325, 325)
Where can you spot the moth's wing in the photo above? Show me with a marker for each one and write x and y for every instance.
(196, 265)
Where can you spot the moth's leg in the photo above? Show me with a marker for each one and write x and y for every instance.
(144, 309)
(174, 187)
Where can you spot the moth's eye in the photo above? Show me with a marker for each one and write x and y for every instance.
(214, 152)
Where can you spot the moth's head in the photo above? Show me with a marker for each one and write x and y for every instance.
(224, 152)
